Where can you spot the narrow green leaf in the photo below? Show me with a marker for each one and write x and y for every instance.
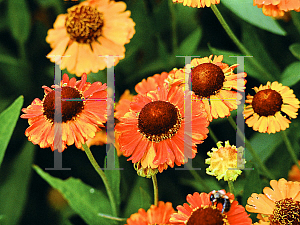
(88, 202)
(291, 74)
(253, 43)
(295, 50)
(13, 196)
(19, 20)
(138, 198)
(264, 145)
(253, 15)
(190, 44)
(252, 184)
(8, 121)
(9, 60)
(162, 48)
(249, 67)
(114, 176)
(145, 199)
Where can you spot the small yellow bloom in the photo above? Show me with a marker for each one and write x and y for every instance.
(225, 161)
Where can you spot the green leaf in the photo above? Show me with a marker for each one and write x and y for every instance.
(264, 144)
(291, 74)
(253, 43)
(8, 121)
(56, 4)
(249, 67)
(139, 197)
(190, 44)
(295, 50)
(253, 15)
(252, 184)
(13, 196)
(114, 176)
(4, 58)
(19, 20)
(88, 202)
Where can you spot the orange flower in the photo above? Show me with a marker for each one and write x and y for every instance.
(80, 119)
(91, 29)
(214, 84)
(152, 133)
(279, 204)
(294, 173)
(197, 3)
(277, 8)
(264, 112)
(141, 88)
(159, 215)
(202, 209)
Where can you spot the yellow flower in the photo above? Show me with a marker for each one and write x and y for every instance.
(89, 30)
(264, 112)
(197, 3)
(278, 205)
(222, 159)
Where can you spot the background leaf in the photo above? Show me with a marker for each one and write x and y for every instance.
(15, 184)
(264, 144)
(189, 45)
(83, 199)
(253, 15)
(114, 177)
(295, 50)
(291, 74)
(19, 20)
(8, 121)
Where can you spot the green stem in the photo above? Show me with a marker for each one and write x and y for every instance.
(231, 187)
(212, 135)
(290, 148)
(251, 150)
(103, 177)
(173, 25)
(236, 41)
(155, 188)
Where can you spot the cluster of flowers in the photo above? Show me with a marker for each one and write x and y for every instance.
(155, 126)
(278, 205)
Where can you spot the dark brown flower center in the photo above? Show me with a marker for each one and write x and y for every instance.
(70, 109)
(286, 211)
(207, 79)
(207, 215)
(267, 102)
(84, 23)
(159, 120)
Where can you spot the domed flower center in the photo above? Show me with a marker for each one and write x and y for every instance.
(208, 215)
(159, 120)
(286, 211)
(69, 109)
(207, 79)
(267, 102)
(84, 23)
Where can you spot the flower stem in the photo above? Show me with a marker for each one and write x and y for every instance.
(212, 135)
(155, 188)
(240, 46)
(290, 148)
(231, 187)
(251, 150)
(103, 177)
(173, 25)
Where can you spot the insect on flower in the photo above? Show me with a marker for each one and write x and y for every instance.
(220, 197)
